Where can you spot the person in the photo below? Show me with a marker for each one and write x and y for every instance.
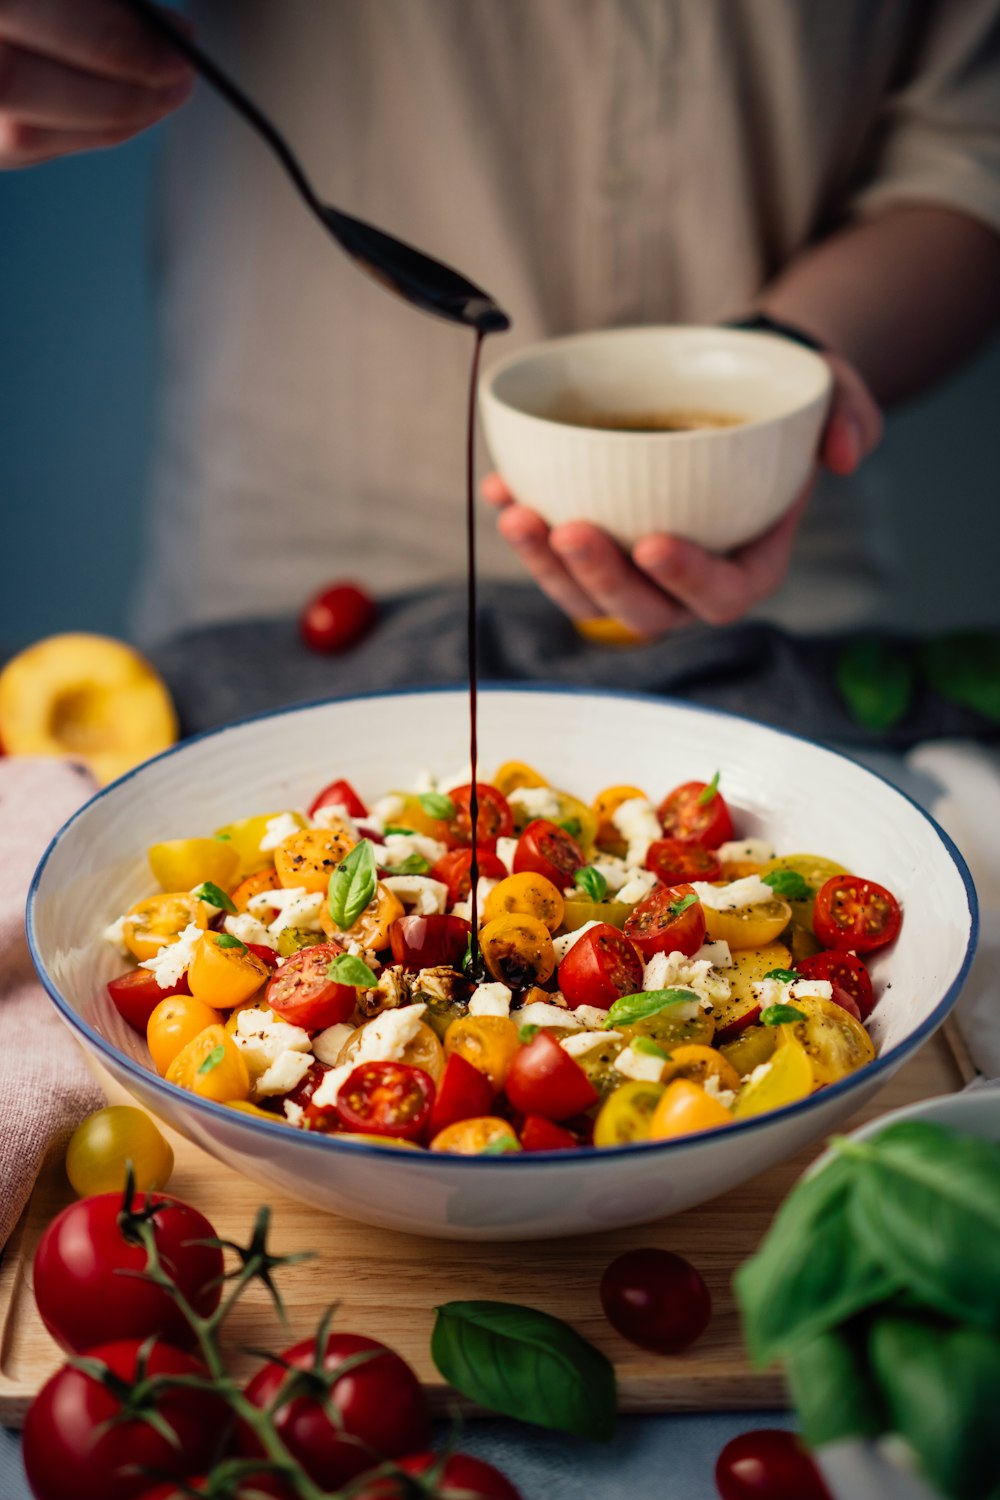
(834, 168)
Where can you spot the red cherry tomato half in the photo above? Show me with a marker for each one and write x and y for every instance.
(454, 870)
(847, 972)
(429, 942)
(342, 794)
(657, 925)
(601, 966)
(539, 1134)
(463, 1478)
(494, 819)
(301, 993)
(386, 1098)
(337, 617)
(544, 1080)
(264, 953)
(768, 1465)
(674, 860)
(855, 914)
(85, 1299)
(73, 1444)
(546, 849)
(683, 815)
(136, 995)
(318, 1118)
(655, 1299)
(379, 1409)
(464, 1093)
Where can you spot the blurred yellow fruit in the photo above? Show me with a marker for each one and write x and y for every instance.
(85, 696)
(604, 631)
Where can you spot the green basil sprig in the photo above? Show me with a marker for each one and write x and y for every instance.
(500, 1147)
(783, 976)
(632, 1008)
(352, 885)
(876, 681)
(647, 1045)
(678, 908)
(347, 968)
(572, 826)
(213, 1059)
(781, 1015)
(214, 895)
(392, 828)
(525, 1364)
(527, 1033)
(591, 882)
(789, 884)
(413, 864)
(437, 805)
(707, 793)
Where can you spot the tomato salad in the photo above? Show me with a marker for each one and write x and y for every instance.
(641, 972)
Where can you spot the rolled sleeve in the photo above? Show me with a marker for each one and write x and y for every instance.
(939, 139)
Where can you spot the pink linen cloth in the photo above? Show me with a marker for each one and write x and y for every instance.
(46, 1087)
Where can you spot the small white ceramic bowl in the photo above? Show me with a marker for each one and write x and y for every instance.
(718, 486)
(799, 795)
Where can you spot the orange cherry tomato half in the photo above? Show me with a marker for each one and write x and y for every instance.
(494, 819)
(674, 860)
(685, 815)
(544, 1080)
(223, 972)
(855, 914)
(685, 1109)
(601, 966)
(548, 850)
(386, 1098)
(484, 1135)
(662, 923)
(302, 993)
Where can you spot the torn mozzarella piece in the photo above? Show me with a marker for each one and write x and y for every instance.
(174, 959)
(114, 934)
(386, 1037)
(714, 1090)
(294, 1113)
(759, 1072)
(591, 1015)
(582, 1042)
(643, 1067)
(564, 942)
(335, 815)
(285, 1073)
(296, 907)
(262, 1036)
(768, 992)
(328, 1044)
(277, 829)
(461, 777)
(326, 1091)
(536, 802)
(615, 871)
(400, 846)
(540, 1013)
(718, 954)
(745, 851)
(675, 970)
(735, 896)
(638, 886)
(463, 909)
(490, 1000)
(387, 810)
(636, 821)
(419, 892)
(249, 930)
(505, 853)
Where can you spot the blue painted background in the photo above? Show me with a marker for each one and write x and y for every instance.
(77, 385)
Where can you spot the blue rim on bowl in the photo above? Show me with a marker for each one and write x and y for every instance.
(518, 1162)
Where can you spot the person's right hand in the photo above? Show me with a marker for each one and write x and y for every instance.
(79, 74)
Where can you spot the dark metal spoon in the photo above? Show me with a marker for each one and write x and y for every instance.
(414, 276)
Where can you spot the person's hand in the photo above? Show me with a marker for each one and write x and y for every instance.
(80, 74)
(669, 582)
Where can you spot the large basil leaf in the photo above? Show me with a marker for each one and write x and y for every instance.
(832, 1390)
(876, 683)
(940, 1386)
(809, 1273)
(352, 885)
(927, 1201)
(632, 1008)
(525, 1364)
(966, 669)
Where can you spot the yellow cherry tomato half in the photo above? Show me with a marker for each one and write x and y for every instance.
(102, 1146)
(308, 858)
(604, 806)
(487, 1042)
(159, 920)
(513, 774)
(626, 1114)
(245, 835)
(686, 1109)
(789, 1078)
(578, 912)
(173, 1023)
(475, 1137)
(578, 820)
(371, 929)
(254, 885)
(750, 1048)
(698, 1064)
(526, 894)
(834, 1041)
(212, 1067)
(391, 1142)
(517, 950)
(815, 871)
(423, 1050)
(749, 926)
(254, 1110)
(179, 864)
(223, 971)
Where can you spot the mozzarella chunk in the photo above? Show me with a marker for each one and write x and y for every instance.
(387, 810)
(285, 1073)
(399, 846)
(386, 1038)
(296, 907)
(490, 1000)
(173, 959)
(279, 828)
(759, 1072)
(114, 934)
(734, 896)
(582, 1042)
(419, 892)
(718, 954)
(505, 853)
(327, 1045)
(638, 885)
(539, 1013)
(641, 1066)
(326, 1091)
(775, 992)
(249, 930)
(639, 826)
(536, 802)
(463, 909)
(335, 815)
(262, 1036)
(615, 871)
(294, 1113)
(424, 781)
(667, 971)
(461, 777)
(564, 942)
(590, 1015)
(749, 851)
(714, 1090)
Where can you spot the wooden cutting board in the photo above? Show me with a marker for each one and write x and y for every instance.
(387, 1284)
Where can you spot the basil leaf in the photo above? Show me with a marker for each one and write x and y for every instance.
(525, 1364)
(965, 668)
(527, 1033)
(928, 1202)
(645, 1044)
(413, 864)
(789, 884)
(940, 1389)
(832, 1390)
(678, 908)
(224, 838)
(781, 1015)
(707, 793)
(213, 1059)
(500, 1147)
(572, 826)
(437, 805)
(347, 968)
(810, 1272)
(409, 832)
(352, 885)
(226, 940)
(591, 882)
(210, 892)
(632, 1008)
(784, 976)
(876, 682)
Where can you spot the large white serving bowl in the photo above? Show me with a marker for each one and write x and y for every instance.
(801, 796)
(717, 486)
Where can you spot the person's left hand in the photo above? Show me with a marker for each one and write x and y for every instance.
(669, 582)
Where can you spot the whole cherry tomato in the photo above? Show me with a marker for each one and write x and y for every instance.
(663, 922)
(302, 993)
(548, 850)
(494, 819)
(544, 1080)
(846, 972)
(674, 860)
(337, 617)
(110, 1140)
(696, 812)
(339, 794)
(462, 1478)
(768, 1465)
(378, 1408)
(857, 915)
(655, 1299)
(136, 995)
(73, 1444)
(429, 942)
(454, 869)
(463, 1093)
(601, 966)
(386, 1098)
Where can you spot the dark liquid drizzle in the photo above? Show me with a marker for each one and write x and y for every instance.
(475, 964)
